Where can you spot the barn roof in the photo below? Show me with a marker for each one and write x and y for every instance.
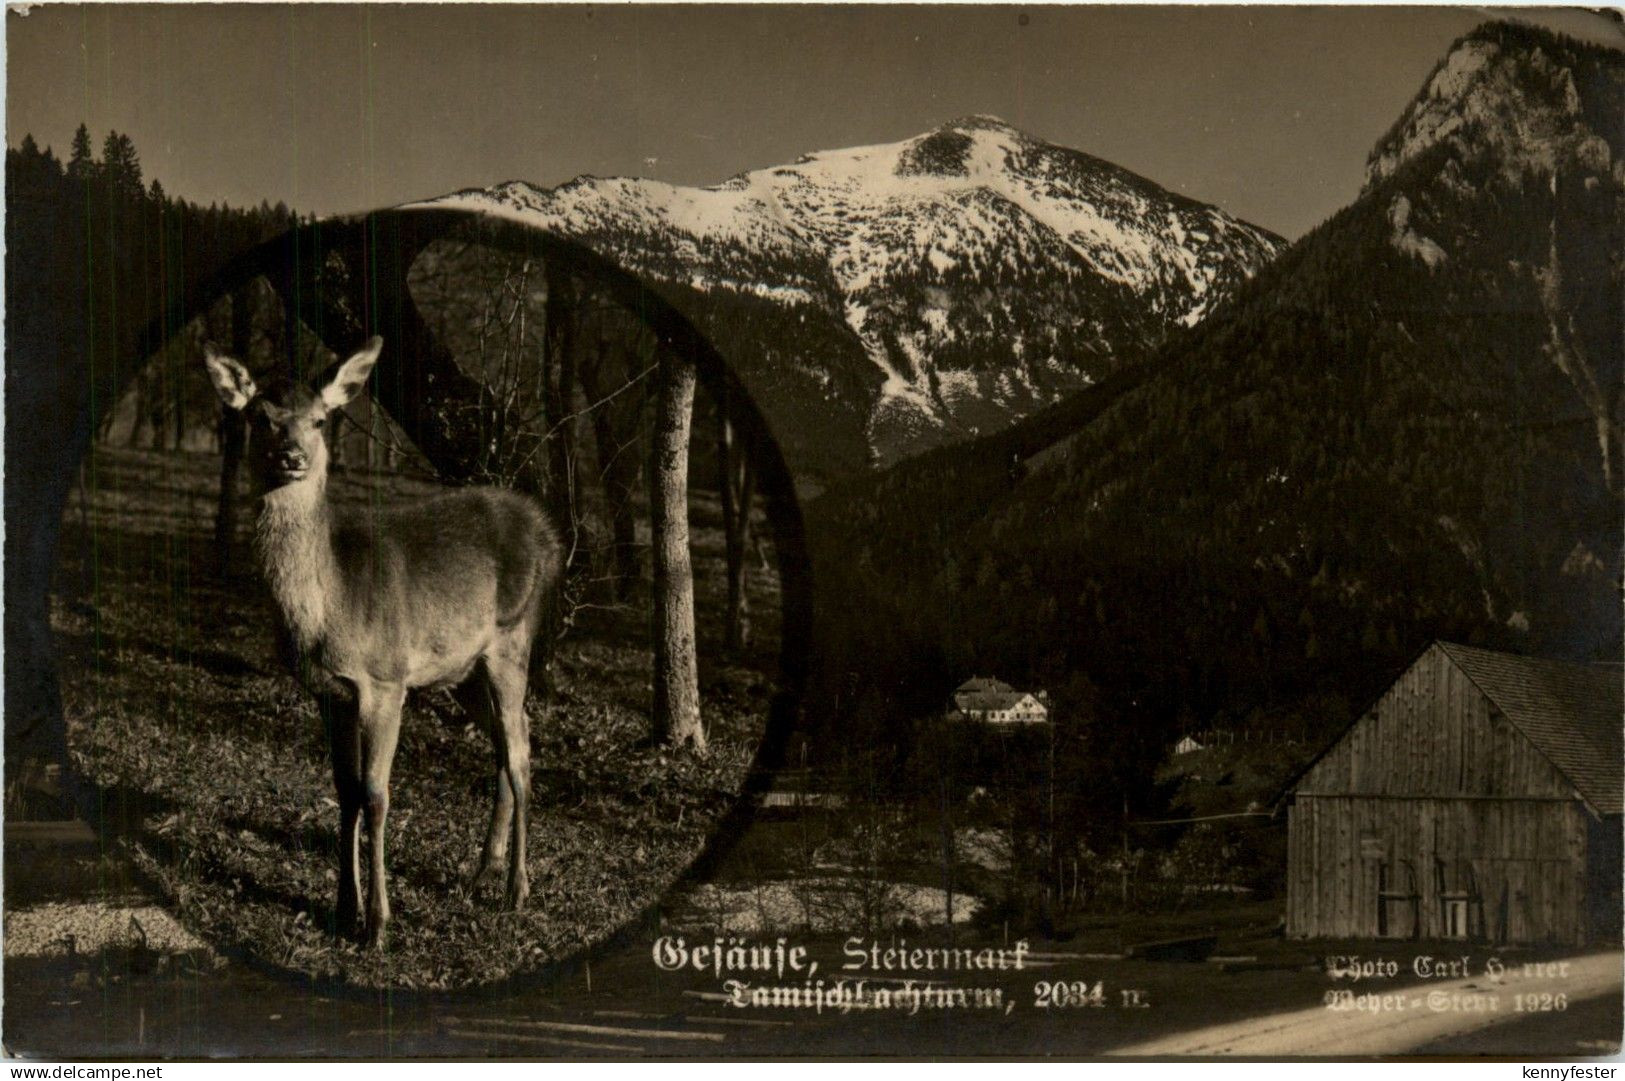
(1572, 713)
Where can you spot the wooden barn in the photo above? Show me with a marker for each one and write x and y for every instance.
(1478, 798)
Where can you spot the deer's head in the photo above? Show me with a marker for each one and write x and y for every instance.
(287, 417)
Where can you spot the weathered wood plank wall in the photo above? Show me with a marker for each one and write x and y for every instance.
(1437, 787)
(1521, 863)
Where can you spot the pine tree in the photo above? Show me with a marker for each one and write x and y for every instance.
(81, 163)
(121, 165)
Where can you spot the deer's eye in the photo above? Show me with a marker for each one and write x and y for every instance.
(319, 422)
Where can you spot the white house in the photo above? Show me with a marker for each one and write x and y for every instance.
(1187, 745)
(991, 701)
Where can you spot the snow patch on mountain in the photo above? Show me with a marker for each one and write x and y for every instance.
(966, 252)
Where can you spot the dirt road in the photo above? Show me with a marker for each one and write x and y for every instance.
(92, 969)
(1405, 1020)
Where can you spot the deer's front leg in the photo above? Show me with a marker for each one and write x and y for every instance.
(380, 728)
(343, 739)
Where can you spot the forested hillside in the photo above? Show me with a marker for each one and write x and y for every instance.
(104, 207)
(1406, 427)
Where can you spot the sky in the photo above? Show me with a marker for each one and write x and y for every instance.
(1268, 112)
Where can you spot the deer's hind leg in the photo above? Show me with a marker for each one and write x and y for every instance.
(507, 666)
(478, 698)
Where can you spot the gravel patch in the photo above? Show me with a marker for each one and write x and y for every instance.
(92, 926)
(824, 904)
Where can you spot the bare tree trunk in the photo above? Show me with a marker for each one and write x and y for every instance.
(233, 439)
(180, 406)
(157, 413)
(142, 393)
(676, 713)
(558, 389)
(335, 443)
(104, 428)
(149, 408)
(947, 854)
(233, 435)
(621, 480)
(735, 484)
(615, 427)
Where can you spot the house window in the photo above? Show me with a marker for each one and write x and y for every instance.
(1455, 917)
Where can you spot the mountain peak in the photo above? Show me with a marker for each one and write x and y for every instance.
(980, 122)
(1532, 99)
(964, 276)
(950, 149)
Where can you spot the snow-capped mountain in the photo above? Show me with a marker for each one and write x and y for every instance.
(975, 273)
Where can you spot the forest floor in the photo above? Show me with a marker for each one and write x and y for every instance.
(208, 766)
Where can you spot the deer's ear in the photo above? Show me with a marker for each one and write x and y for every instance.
(231, 380)
(342, 382)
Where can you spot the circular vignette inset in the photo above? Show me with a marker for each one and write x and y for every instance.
(513, 357)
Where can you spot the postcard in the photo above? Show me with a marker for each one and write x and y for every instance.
(831, 531)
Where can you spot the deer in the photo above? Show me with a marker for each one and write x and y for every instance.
(454, 590)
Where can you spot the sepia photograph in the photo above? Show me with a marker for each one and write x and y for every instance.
(813, 531)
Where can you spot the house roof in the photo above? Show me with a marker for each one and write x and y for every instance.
(1572, 713)
(987, 700)
(980, 693)
(983, 694)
